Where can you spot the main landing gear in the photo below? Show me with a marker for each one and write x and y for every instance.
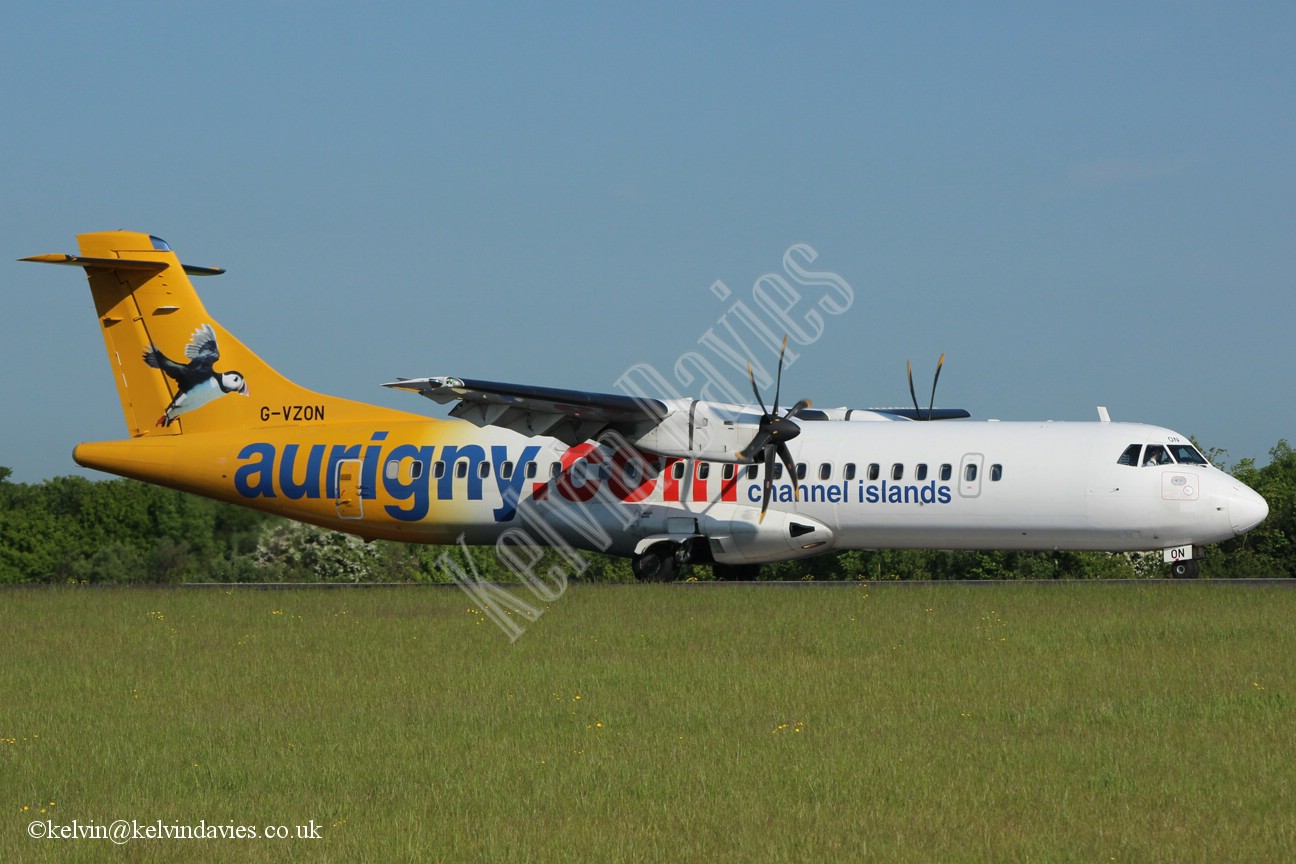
(1188, 569)
(668, 561)
(662, 562)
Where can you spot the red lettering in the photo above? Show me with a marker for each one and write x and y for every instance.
(700, 470)
(567, 484)
(671, 486)
(627, 468)
(729, 488)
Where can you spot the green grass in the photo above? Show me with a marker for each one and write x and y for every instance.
(1032, 722)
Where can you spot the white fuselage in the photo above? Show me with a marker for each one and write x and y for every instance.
(941, 485)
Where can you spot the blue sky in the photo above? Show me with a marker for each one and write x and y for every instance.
(1081, 204)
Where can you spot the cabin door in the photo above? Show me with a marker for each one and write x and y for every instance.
(970, 475)
(348, 502)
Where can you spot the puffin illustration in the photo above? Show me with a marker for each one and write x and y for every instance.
(198, 382)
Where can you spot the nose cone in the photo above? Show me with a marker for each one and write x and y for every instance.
(1246, 509)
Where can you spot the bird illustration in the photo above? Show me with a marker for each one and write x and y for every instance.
(198, 382)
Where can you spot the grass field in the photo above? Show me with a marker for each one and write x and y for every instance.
(1031, 722)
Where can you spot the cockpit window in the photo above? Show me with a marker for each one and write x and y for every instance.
(1155, 454)
(1161, 454)
(1186, 454)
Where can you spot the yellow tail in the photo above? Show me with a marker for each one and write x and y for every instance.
(177, 370)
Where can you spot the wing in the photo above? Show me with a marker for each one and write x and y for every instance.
(925, 414)
(571, 416)
(202, 350)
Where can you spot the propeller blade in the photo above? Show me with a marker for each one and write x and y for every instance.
(932, 407)
(786, 456)
(757, 443)
(752, 375)
(912, 394)
(768, 485)
(778, 379)
(769, 444)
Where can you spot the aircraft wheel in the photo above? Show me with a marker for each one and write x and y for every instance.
(656, 564)
(1185, 569)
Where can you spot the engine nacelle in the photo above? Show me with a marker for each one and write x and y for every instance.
(745, 539)
(709, 431)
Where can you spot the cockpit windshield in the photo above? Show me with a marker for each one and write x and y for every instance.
(1161, 454)
(1186, 454)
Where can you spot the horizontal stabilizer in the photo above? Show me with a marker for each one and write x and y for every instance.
(119, 264)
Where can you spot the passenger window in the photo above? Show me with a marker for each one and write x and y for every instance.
(996, 473)
(849, 471)
(678, 470)
(416, 470)
(753, 471)
(703, 470)
(946, 472)
(970, 473)
(483, 470)
(874, 471)
(555, 469)
(801, 471)
(825, 471)
(728, 472)
(438, 470)
(920, 472)
(778, 470)
(531, 470)
(506, 470)
(461, 470)
(897, 471)
(393, 469)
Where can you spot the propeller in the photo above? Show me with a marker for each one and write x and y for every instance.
(773, 434)
(912, 395)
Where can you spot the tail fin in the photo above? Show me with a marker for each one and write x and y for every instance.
(177, 370)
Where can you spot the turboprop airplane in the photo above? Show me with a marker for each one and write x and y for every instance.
(665, 482)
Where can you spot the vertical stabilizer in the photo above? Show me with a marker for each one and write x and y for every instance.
(177, 370)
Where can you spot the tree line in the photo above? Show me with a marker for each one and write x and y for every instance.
(75, 530)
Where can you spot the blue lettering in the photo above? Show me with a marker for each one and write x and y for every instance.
(309, 487)
(369, 470)
(450, 455)
(887, 493)
(510, 488)
(417, 490)
(262, 469)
